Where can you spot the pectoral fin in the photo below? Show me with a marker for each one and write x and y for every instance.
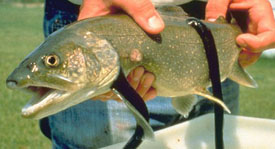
(141, 121)
(184, 104)
(240, 76)
(205, 93)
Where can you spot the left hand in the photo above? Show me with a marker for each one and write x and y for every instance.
(146, 16)
(261, 25)
(141, 81)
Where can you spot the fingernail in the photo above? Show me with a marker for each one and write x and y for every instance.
(155, 22)
(211, 19)
(241, 43)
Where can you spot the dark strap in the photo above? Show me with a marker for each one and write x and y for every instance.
(124, 88)
(214, 73)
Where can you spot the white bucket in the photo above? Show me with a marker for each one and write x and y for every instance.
(239, 133)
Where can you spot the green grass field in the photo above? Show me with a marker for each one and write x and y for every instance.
(260, 102)
(21, 32)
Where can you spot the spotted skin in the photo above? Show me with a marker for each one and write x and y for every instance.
(176, 56)
(90, 52)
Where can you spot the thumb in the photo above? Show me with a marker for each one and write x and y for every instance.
(216, 8)
(144, 13)
(257, 43)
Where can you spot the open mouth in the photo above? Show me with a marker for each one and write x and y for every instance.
(42, 97)
(41, 91)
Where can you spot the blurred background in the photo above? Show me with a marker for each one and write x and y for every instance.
(21, 32)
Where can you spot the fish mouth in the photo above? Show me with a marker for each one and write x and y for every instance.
(43, 97)
(47, 101)
(41, 91)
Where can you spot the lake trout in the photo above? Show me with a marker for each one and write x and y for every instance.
(82, 60)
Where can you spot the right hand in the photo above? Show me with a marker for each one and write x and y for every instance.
(260, 34)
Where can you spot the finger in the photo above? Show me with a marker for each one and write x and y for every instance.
(93, 8)
(247, 4)
(242, 5)
(247, 58)
(144, 13)
(216, 8)
(150, 94)
(145, 83)
(257, 43)
(135, 76)
(107, 96)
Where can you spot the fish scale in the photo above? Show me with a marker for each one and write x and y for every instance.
(91, 52)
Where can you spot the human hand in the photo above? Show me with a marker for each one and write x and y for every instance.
(260, 34)
(141, 81)
(144, 13)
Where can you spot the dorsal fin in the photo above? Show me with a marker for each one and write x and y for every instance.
(221, 19)
(171, 11)
(234, 21)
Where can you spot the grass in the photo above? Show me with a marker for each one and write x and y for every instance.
(21, 32)
(260, 102)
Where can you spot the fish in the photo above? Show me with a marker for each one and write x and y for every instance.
(83, 59)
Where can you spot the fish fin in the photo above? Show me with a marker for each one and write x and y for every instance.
(233, 21)
(148, 131)
(205, 93)
(171, 11)
(221, 19)
(184, 104)
(240, 76)
(141, 121)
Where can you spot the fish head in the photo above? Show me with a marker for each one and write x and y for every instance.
(70, 66)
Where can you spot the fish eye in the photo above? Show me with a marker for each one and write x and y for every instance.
(51, 60)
